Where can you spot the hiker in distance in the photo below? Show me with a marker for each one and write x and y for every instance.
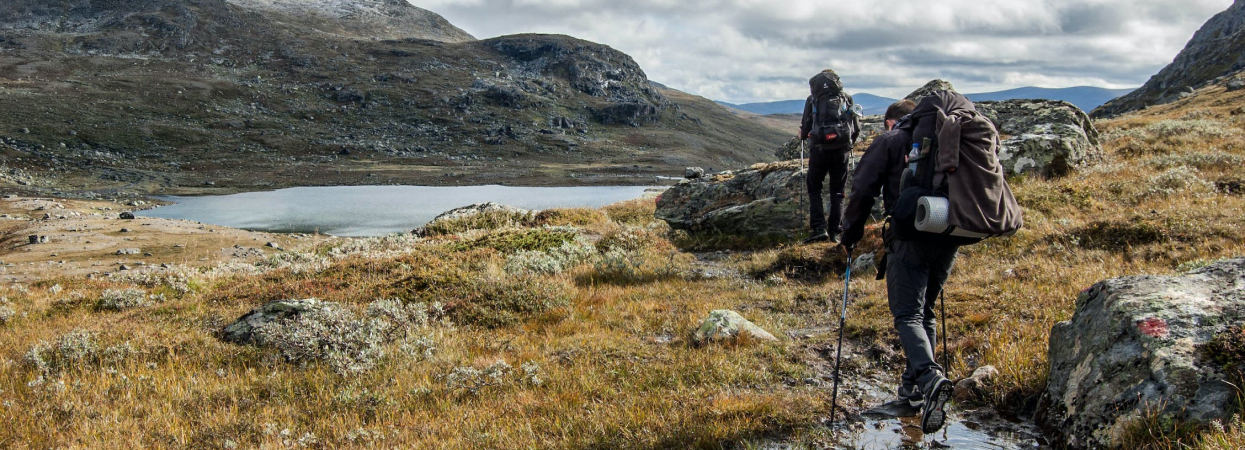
(832, 123)
(943, 187)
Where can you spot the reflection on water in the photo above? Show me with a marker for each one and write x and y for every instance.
(372, 210)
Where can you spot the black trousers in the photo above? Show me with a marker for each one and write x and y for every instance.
(915, 275)
(823, 162)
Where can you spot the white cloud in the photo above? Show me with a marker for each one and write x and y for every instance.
(763, 50)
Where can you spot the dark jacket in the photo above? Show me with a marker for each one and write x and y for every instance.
(968, 145)
(879, 171)
(806, 123)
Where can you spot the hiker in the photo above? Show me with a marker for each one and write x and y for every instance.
(916, 263)
(832, 124)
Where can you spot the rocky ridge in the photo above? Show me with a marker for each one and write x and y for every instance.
(1217, 50)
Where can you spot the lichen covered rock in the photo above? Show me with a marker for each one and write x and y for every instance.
(765, 200)
(725, 324)
(1043, 137)
(1135, 348)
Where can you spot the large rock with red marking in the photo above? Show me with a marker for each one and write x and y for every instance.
(1137, 346)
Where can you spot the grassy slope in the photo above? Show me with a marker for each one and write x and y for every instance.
(617, 367)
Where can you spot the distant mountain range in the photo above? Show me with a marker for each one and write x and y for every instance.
(1084, 97)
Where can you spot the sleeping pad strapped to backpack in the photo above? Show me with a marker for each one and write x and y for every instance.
(957, 194)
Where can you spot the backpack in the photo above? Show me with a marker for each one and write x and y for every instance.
(833, 124)
(957, 194)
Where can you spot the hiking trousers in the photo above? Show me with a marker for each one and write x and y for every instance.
(823, 162)
(915, 274)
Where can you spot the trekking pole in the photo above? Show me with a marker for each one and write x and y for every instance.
(946, 357)
(838, 357)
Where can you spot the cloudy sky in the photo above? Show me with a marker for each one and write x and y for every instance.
(763, 50)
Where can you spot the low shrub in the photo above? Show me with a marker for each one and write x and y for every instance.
(511, 241)
(335, 335)
(554, 261)
(632, 212)
(485, 220)
(578, 217)
(1117, 236)
(492, 303)
(123, 299)
(74, 350)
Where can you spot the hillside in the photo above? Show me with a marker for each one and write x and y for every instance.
(1216, 50)
(178, 96)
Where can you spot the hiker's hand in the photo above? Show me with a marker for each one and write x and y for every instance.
(803, 136)
(850, 248)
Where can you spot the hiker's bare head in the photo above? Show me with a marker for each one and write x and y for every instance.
(897, 111)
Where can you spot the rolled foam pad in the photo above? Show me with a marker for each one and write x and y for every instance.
(931, 214)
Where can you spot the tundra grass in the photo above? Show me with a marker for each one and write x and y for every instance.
(595, 350)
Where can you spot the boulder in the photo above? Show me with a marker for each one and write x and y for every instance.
(693, 173)
(725, 324)
(790, 150)
(1135, 347)
(1236, 84)
(129, 251)
(242, 331)
(1043, 137)
(972, 388)
(127, 215)
(929, 89)
(766, 200)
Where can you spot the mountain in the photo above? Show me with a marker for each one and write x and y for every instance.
(1085, 97)
(179, 96)
(1216, 50)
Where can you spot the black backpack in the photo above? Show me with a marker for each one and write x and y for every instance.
(833, 124)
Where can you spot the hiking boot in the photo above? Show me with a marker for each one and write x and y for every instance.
(911, 395)
(836, 237)
(818, 237)
(934, 414)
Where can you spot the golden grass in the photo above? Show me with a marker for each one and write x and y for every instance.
(616, 369)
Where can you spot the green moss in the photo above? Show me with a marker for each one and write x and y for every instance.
(512, 241)
(1227, 350)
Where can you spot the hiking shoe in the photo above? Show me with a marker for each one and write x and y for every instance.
(934, 414)
(818, 237)
(912, 396)
(836, 237)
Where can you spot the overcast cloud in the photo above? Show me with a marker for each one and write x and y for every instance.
(745, 51)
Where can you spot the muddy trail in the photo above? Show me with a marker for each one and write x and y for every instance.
(869, 377)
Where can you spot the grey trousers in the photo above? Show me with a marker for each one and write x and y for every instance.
(915, 274)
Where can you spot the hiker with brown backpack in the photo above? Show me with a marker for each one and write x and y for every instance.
(944, 188)
(832, 123)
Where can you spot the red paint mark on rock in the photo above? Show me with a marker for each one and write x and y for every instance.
(1153, 327)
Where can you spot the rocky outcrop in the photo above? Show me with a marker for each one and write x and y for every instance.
(1216, 50)
(1135, 347)
(764, 200)
(1043, 137)
(724, 325)
(242, 331)
(929, 89)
